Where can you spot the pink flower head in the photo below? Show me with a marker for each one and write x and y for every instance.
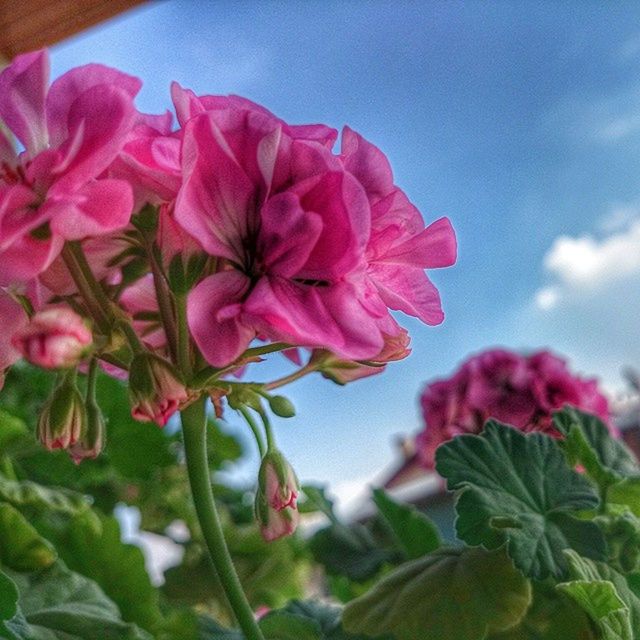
(291, 226)
(156, 393)
(522, 391)
(71, 132)
(54, 338)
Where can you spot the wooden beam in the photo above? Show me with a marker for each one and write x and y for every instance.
(26, 25)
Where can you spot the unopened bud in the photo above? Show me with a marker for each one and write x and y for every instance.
(55, 338)
(91, 440)
(282, 406)
(63, 418)
(154, 389)
(276, 499)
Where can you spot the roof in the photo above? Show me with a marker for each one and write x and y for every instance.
(26, 25)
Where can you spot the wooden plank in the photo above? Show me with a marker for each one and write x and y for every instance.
(26, 25)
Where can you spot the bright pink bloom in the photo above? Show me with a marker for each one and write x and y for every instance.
(293, 257)
(12, 318)
(54, 338)
(71, 133)
(522, 391)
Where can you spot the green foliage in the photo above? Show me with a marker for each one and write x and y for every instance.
(57, 604)
(600, 600)
(8, 598)
(21, 547)
(415, 533)
(450, 593)
(518, 489)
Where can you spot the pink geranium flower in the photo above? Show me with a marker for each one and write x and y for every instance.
(519, 390)
(71, 132)
(13, 319)
(313, 247)
(292, 256)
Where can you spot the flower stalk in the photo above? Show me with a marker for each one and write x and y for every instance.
(194, 433)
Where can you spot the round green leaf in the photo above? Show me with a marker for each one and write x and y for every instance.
(453, 594)
(518, 489)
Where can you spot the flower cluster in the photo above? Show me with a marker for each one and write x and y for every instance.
(519, 390)
(165, 254)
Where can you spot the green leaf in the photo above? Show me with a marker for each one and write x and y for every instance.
(453, 594)
(11, 429)
(626, 492)
(8, 597)
(590, 571)
(327, 617)
(289, 626)
(600, 600)
(118, 568)
(518, 489)
(416, 534)
(21, 547)
(351, 551)
(32, 496)
(317, 500)
(551, 616)
(57, 604)
(612, 456)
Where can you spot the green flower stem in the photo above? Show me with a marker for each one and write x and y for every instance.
(184, 353)
(194, 430)
(254, 428)
(87, 289)
(292, 377)
(163, 297)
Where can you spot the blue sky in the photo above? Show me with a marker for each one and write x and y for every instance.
(520, 121)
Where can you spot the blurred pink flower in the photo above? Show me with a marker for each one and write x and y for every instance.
(522, 391)
(71, 132)
(54, 338)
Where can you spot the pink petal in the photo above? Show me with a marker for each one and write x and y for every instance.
(100, 208)
(407, 289)
(19, 213)
(367, 163)
(98, 121)
(219, 334)
(26, 258)
(434, 247)
(287, 234)
(328, 317)
(343, 207)
(216, 202)
(23, 87)
(72, 85)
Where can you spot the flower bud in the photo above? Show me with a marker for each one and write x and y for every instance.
(155, 391)
(278, 482)
(275, 524)
(63, 418)
(281, 406)
(91, 441)
(55, 338)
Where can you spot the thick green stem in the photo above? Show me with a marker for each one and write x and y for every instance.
(194, 430)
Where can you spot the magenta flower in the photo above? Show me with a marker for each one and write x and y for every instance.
(522, 391)
(313, 248)
(54, 338)
(71, 132)
(292, 265)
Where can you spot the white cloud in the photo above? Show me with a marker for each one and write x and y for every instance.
(547, 298)
(619, 217)
(586, 263)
